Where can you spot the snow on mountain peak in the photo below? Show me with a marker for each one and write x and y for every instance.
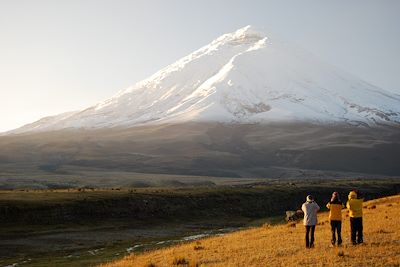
(240, 77)
(242, 36)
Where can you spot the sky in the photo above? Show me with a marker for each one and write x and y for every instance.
(64, 55)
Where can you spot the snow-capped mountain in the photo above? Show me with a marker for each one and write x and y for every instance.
(241, 77)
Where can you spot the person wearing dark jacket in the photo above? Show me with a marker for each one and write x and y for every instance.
(335, 207)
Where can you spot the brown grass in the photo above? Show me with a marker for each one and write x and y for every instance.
(284, 246)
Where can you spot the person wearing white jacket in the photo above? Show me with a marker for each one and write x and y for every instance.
(310, 209)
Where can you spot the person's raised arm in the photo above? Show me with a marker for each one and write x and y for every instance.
(317, 208)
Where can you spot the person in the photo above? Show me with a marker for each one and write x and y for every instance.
(354, 205)
(310, 209)
(335, 207)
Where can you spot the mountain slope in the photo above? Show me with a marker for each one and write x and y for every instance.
(241, 77)
(209, 149)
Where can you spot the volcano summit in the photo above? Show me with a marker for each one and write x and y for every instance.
(241, 77)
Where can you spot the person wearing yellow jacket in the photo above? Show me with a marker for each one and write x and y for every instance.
(335, 207)
(354, 205)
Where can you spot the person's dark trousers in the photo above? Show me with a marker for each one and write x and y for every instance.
(356, 227)
(310, 229)
(336, 227)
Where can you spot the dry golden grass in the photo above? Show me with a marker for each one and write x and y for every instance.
(283, 245)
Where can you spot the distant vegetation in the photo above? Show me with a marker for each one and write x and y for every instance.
(267, 198)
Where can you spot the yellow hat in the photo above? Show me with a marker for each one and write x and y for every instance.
(352, 194)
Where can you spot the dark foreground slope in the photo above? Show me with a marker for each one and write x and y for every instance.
(268, 198)
(252, 150)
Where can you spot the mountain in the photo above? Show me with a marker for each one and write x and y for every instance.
(246, 105)
(242, 77)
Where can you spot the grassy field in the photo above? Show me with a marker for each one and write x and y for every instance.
(283, 245)
(84, 227)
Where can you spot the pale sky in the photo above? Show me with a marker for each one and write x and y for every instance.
(64, 55)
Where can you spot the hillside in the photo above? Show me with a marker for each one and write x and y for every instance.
(85, 227)
(201, 149)
(283, 245)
